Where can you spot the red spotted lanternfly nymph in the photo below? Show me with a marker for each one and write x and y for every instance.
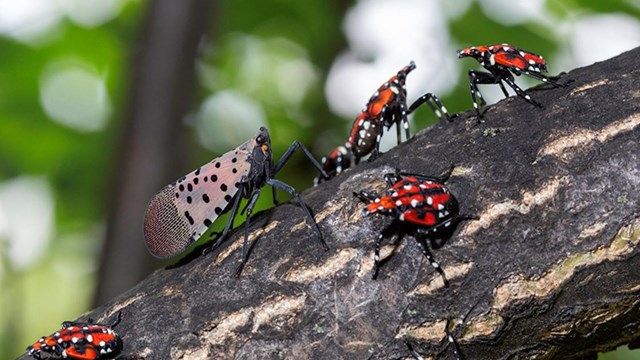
(386, 107)
(501, 60)
(80, 341)
(424, 203)
(181, 212)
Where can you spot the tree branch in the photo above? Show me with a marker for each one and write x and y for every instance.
(549, 271)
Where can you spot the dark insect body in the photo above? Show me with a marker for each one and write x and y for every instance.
(423, 202)
(181, 212)
(502, 61)
(450, 338)
(82, 341)
(386, 107)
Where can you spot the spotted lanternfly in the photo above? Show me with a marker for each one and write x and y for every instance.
(385, 108)
(422, 202)
(181, 212)
(77, 340)
(450, 338)
(503, 60)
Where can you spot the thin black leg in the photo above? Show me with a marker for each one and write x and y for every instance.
(376, 256)
(364, 196)
(523, 94)
(391, 228)
(413, 352)
(287, 155)
(438, 179)
(392, 178)
(288, 188)
(245, 245)
(431, 259)
(480, 77)
(399, 126)
(232, 216)
(452, 341)
(504, 90)
(434, 103)
(117, 321)
(543, 78)
(404, 120)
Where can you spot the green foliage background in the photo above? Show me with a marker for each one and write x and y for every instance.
(75, 165)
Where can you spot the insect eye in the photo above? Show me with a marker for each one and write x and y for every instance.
(259, 139)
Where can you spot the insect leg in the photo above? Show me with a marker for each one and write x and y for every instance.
(523, 94)
(288, 188)
(292, 148)
(404, 119)
(364, 196)
(117, 321)
(543, 78)
(376, 256)
(392, 178)
(434, 103)
(475, 78)
(413, 352)
(390, 229)
(482, 78)
(404, 123)
(452, 340)
(245, 245)
(439, 179)
(431, 259)
(504, 90)
(232, 216)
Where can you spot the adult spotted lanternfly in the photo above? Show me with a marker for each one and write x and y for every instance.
(386, 107)
(501, 61)
(423, 202)
(181, 212)
(77, 340)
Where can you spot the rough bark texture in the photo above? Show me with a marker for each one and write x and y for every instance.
(550, 270)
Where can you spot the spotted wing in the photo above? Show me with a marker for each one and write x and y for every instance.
(181, 212)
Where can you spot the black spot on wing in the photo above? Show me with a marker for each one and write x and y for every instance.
(189, 218)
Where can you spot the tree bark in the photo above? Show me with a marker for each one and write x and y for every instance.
(550, 270)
